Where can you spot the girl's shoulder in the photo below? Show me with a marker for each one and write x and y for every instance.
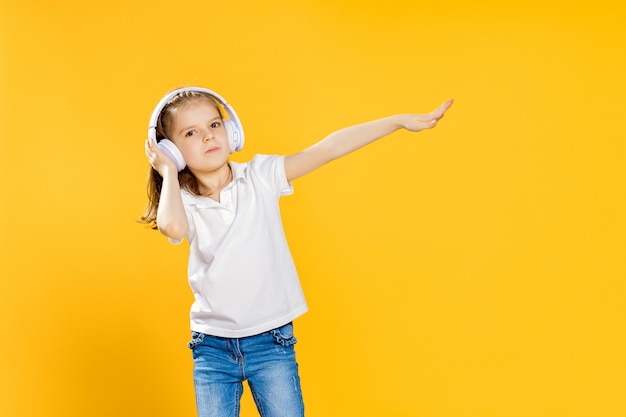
(259, 164)
(264, 170)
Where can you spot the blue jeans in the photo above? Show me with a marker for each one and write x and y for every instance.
(267, 361)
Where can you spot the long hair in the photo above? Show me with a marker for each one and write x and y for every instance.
(186, 178)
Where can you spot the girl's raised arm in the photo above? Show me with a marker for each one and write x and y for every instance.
(171, 218)
(349, 139)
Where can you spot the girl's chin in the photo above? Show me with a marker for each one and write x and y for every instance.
(203, 168)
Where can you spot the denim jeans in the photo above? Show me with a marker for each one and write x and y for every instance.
(267, 361)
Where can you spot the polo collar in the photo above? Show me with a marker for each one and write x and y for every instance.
(239, 170)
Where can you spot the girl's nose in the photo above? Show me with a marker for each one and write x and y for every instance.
(209, 136)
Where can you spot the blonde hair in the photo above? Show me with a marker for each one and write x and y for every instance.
(186, 178)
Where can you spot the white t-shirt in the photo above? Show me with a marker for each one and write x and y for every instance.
(240, 268)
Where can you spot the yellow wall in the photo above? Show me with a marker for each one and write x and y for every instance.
(473, 270)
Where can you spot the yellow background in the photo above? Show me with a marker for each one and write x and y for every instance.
(473, 270)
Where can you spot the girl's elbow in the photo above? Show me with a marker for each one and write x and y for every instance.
(174, 231)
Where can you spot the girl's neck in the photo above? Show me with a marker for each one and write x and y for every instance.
(212, 184)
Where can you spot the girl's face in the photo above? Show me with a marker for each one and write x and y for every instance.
(198, 131)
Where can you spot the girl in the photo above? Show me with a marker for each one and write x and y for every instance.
(240, 269)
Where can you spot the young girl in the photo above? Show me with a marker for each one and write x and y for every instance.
(240, 269)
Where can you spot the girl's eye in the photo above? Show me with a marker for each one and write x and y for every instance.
(215, 125)
(191, 133)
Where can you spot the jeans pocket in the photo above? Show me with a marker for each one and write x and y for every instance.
(196, 339)
(284, 335)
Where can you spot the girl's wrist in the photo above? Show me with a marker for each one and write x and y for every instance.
(400, 121)
(169, 172)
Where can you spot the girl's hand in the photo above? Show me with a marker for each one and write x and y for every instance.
(159, 161)
(417, 122)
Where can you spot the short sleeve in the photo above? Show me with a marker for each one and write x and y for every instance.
(271, 169)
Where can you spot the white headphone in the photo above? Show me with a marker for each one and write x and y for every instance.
(232, 125)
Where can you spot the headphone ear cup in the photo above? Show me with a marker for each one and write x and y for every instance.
(234, 136)
(169, 149)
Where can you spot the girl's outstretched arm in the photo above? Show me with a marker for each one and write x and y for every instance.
(349, 139)
(171, 218)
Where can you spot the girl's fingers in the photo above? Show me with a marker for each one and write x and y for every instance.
(440, 111)
(432, 117)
